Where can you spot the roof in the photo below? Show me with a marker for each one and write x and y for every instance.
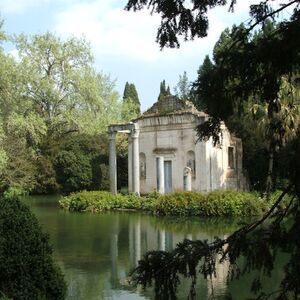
(170, 105)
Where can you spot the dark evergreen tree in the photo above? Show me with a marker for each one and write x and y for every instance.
(130, 95)
(126, 93)
(204, 88)
(27, 269)
(230, 85)
(163, 90)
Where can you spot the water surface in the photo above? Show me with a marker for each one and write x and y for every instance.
(97, 251)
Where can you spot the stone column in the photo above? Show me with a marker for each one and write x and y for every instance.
(112, 162)
(160, 175)
(135, 161)
(129, 164)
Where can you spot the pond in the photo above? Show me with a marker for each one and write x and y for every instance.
(97, 251)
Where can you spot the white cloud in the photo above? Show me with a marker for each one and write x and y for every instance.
(19, 6)
(131, 35)
(111, 31)
(124, 42)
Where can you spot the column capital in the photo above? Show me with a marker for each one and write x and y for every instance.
(135, 133)
(111, 134)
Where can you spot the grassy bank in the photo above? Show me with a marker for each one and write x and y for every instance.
(217, 203)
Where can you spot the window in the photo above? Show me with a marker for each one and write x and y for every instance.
(230, 157)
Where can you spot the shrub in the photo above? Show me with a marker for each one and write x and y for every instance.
(99, 201)
(27, 270)
(218, 203)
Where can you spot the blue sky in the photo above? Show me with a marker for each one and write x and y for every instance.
(123, 43)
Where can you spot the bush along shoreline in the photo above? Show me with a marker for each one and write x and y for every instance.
(216, 203)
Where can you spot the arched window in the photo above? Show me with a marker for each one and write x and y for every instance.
(191, 163)
(142, 165)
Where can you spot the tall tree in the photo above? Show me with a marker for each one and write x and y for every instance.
(163, 90)
(131, 98)
(240, 82)
(54, 71)
(250, 66)
(183, 87)
(52, 93)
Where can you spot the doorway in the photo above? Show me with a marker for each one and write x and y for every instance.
(168, 175)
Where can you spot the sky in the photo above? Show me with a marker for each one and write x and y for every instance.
(123, 43)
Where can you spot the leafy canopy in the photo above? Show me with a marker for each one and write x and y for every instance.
(51, 93)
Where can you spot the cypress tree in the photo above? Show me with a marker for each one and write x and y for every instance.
(131, 95)
(126, 93)
(163, 91)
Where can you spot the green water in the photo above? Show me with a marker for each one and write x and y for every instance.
(96, 251)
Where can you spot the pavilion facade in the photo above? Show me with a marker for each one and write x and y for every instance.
(164, 153)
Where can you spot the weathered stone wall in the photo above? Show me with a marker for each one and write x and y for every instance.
(174, 138)
(171, 137)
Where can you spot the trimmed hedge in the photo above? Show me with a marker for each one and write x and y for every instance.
(217, 203)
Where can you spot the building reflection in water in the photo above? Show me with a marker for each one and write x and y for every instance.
(97, 251)
(144, 236)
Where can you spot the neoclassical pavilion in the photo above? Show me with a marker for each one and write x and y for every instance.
(164, 155)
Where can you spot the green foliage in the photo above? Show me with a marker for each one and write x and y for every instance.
(77, 163)
(45, 177)
(183, 88)
(3, 297)
(96, 201)
(259, 105)
(131, 98)
(51, 95)
(27, 270)
(105, 183)
(62, 88)
(163, 90)
(220, 203)
(207, 91)
(179, 19)
(14, 192)
(73, 171)
(20, 168)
